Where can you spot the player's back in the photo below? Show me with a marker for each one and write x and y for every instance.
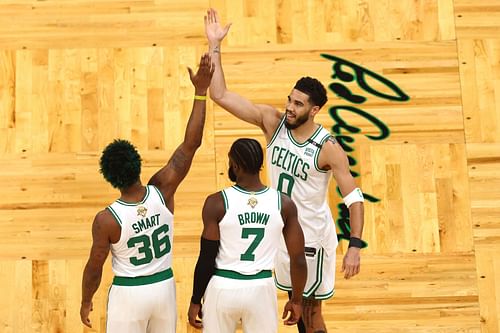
(250, 230)
(144, 247)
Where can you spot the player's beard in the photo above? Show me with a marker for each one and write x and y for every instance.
(231, 174)
(298, 121)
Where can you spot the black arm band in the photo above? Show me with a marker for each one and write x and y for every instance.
(356, 242)
(205, 268)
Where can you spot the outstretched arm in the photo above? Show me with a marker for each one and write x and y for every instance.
(92, 273)
(170, 176)
(294, 239)
(264, 116)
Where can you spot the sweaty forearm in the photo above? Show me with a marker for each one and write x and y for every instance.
(90, 284)
(356, 218)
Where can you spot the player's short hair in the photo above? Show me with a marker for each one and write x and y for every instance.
(120, 164)
(313, 88)
(247, 154)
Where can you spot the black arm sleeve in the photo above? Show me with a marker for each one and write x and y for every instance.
(205, 268)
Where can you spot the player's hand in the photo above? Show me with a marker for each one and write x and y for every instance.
(213, 29)
(351, 263)
(292, 313)
(193, 312)
(201, 80)
(85, 309)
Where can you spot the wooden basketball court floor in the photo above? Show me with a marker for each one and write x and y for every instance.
(76, 74)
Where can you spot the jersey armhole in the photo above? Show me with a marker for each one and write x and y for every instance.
(316, 155)
(115, 216)
(276, 131)
(159, 194)
(279, 201)
(226, 202)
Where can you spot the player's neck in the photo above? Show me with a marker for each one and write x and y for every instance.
(133, 193)
(250, 183)
(304, 131)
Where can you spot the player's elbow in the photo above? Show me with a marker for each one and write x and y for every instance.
(217, 95)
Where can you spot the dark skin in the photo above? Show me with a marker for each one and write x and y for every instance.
(212, 214)
(298, 107)
(105, 231)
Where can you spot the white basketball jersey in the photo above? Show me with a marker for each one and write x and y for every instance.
(293, 169)
(250, 231)
(145, 246)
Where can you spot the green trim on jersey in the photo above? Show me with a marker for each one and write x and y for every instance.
(316, 155)
(325, 296)
(319, 275)
(142, 280)
(279, 201)
(159, 194)
(226, 202)
(305, 143)
(242, 190)
(238, 276)
(135, 203)
(280, 286)
(117, 219)
(314, 287)
(276, 131)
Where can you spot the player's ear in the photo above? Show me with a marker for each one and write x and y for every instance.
(314, 110)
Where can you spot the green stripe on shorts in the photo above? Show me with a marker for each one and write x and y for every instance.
(142, 280)
(238, 276)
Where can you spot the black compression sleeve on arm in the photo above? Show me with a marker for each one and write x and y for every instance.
(205, 268)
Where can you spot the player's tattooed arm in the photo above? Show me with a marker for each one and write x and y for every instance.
(332, 140)
(168, 178)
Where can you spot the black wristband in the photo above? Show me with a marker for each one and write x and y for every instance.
(356, 242)
(204, 269)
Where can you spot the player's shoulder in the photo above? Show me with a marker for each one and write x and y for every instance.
(214, 197)
(103, 215)
(271, 118)
(104, 221)
(331, 145)
(216, 201)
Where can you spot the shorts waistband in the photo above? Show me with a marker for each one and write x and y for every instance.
(238, 276)
(142, 280)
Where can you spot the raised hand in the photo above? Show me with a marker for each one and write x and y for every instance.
(201, 80)
(213, 29)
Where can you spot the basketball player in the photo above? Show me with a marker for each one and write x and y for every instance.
(138, 229)
(302, 156)
(242, 230)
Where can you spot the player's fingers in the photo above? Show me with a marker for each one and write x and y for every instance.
(86, 322)
(196, 323)
(285, 313)
(226, 28)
